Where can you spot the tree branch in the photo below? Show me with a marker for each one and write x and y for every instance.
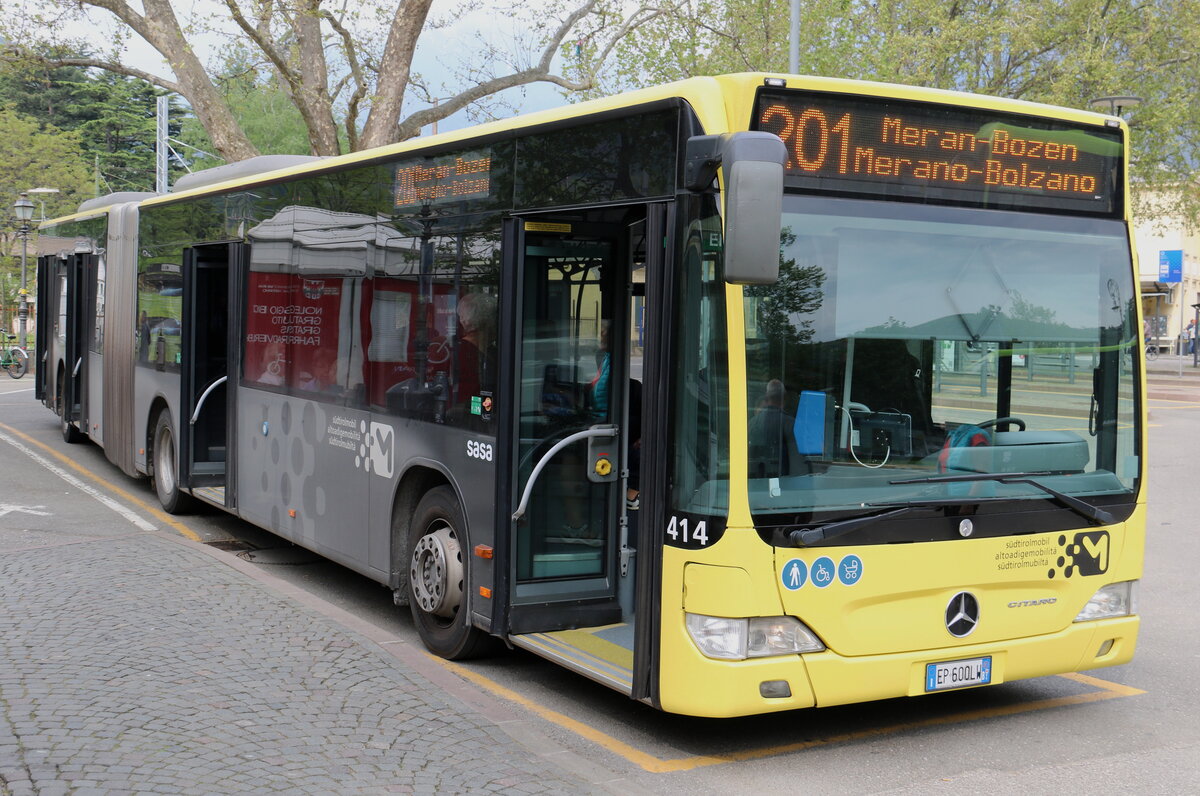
(260, 35)
(540, 73)
(108, 66)
(356, 72)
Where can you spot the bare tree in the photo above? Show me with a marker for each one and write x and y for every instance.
(346, 67)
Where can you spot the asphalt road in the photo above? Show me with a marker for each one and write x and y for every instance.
(1135, 727)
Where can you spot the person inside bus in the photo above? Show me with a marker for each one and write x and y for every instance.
(599, 387)
(770, 431)
(600, 403)
(321, 375)
(476, 345)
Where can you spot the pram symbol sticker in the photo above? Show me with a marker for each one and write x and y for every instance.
(850, 570)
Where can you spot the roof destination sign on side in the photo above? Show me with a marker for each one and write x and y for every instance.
(437, 180)
(942, 153)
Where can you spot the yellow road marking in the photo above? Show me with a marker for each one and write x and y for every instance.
(655, 765)
(1096, 682)
(154, 511)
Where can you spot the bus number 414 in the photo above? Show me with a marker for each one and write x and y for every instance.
(679, 531)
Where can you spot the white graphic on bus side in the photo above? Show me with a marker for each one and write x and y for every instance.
(373, 443)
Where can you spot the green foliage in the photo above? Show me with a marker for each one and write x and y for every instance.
(260, 105)
(33, 155)
(114, 116)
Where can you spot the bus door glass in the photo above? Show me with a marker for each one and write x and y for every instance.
(42, 324)
(573, 368)
(74, 309)
(206, 394)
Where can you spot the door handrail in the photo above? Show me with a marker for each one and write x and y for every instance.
(594, 431)
(204, 397)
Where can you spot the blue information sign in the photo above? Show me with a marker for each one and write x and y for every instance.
(1170, 265)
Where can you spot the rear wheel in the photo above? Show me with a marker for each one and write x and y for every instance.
(70, 434)
(18, 363)
(437, 570)
(166, 474)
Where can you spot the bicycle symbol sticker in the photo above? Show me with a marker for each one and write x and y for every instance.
(795, 573)
(850, 570)
(822, 572)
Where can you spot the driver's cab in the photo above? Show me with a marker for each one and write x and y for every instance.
(868, 411)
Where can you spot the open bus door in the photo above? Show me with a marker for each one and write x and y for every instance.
(43, 324)
(211, 276)
(573, 391)
(78, 308)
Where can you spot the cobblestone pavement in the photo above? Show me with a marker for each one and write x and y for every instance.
(131, 663)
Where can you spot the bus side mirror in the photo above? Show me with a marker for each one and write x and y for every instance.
(753, 169)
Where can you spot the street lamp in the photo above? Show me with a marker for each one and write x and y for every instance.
(42, 197)
(24, 210)
(1115, 106)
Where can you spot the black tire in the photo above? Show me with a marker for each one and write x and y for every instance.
(70, 434)
(164, 467)
(438, 569)
(18, 363)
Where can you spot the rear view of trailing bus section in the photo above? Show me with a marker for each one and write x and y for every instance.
(740, 394)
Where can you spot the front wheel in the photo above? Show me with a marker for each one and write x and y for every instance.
(437, 577)
(166, 474)
(1151, 352)
(18, 363)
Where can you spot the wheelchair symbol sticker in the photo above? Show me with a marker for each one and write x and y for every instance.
(822, 572)
(795, 573)
(850, 570)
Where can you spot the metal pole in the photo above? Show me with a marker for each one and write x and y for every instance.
(160, 160)
(794, 40)
(23, 306)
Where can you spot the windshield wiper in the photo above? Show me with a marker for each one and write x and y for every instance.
(1080, 507)
(809, 537)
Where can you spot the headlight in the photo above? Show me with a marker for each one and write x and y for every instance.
(1115, 599)
(757, 637)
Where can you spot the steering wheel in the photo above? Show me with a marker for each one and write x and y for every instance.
(1016, 421)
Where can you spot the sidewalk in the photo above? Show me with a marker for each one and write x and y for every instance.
(1172, 365)
(132, 661)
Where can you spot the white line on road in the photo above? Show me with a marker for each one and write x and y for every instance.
(124, 511)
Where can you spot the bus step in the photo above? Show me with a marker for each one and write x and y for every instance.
(603, 654)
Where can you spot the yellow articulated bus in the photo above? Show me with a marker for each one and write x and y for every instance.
(740, 394)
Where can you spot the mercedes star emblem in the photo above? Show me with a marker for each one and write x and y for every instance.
(962, 614)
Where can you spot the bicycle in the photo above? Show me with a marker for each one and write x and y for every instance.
(14, 359)
(1151, 352)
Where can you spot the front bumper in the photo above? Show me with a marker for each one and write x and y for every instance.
(694, 685)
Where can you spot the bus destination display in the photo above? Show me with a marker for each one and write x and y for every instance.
(942, 153)
(431, 181)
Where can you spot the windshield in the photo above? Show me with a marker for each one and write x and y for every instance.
(904, 341)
